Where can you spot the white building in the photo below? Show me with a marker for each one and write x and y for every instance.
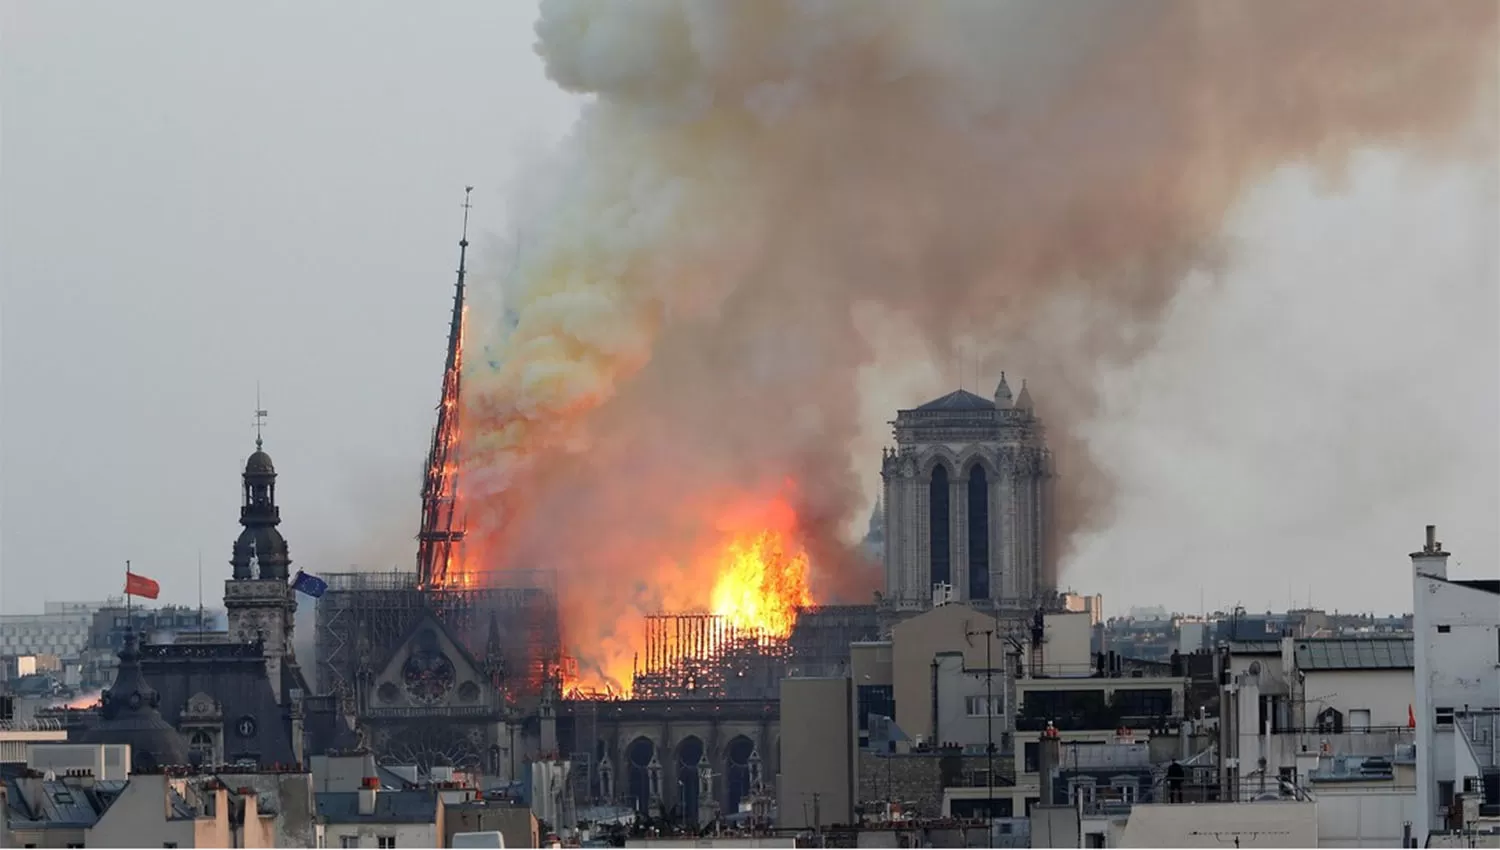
(376, 817)
(62, 629)
(1457, 626)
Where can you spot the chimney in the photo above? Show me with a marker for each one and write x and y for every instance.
(368, 788)
(1432, 561)
(1048, 759)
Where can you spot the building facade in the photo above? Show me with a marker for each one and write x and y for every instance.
(1457, 641)
(62, 629)
(966, 500)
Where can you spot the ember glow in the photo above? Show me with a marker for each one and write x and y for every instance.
(88, 700)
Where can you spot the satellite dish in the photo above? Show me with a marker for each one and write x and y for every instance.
(1254, 668)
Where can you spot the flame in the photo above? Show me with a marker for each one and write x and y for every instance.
(763, 580)
(88, 700)
(760, 578)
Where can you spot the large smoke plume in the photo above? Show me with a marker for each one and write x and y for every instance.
(761, 195)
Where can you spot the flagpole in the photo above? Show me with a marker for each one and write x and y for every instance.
(128, 623)
(200, 592)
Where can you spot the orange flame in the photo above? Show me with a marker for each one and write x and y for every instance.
(763, 580)
(760, 579)
(88, 700)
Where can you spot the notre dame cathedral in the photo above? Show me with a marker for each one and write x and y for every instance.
(966, 502)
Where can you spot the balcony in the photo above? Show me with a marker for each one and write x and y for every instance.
(1396, 744)
(1104, 706)
(1353, 769)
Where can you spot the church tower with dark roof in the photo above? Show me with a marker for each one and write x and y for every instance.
(260, 602)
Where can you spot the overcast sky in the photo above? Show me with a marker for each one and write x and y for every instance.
(198, 197)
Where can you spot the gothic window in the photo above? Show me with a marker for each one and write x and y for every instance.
(979, 533)
(942, 568)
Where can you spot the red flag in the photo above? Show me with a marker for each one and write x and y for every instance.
(141, 586)
(1411, 717)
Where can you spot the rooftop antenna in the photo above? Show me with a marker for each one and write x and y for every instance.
(260, 417)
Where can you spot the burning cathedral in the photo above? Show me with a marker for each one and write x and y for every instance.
(438, 667)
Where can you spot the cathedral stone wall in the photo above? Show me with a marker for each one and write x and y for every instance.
(992, 511)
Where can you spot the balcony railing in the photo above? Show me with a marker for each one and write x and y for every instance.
(1096, 721)
(1397, 743)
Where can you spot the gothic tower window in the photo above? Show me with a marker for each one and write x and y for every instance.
(942, 567)
(979, 533)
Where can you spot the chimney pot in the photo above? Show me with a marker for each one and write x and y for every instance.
(1431, 538)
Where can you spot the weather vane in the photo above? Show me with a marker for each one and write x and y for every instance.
(260, 416)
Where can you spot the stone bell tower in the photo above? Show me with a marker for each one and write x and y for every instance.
(967, 491)
(261, 605)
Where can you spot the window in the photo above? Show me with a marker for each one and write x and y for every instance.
(1081, 790)
(1359, 720)
(347, 841)
(1445, 793)
(983, 706)
(1442, 630)
(875, 700)
(202, 745)
(385, 841)
(1443, 715)
(1030, 754)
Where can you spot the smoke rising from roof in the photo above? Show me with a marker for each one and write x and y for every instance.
(763, 199)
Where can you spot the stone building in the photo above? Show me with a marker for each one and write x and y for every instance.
(966, 500)
(234, 698)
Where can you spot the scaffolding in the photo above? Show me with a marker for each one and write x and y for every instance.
(705, 656)
(585, 751)
(363, 616)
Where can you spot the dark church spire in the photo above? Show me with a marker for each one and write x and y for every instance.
(260, 552)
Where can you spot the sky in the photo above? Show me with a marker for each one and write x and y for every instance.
(199, 200)
(196, 198)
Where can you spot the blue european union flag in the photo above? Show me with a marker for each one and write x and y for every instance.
(309, 584)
